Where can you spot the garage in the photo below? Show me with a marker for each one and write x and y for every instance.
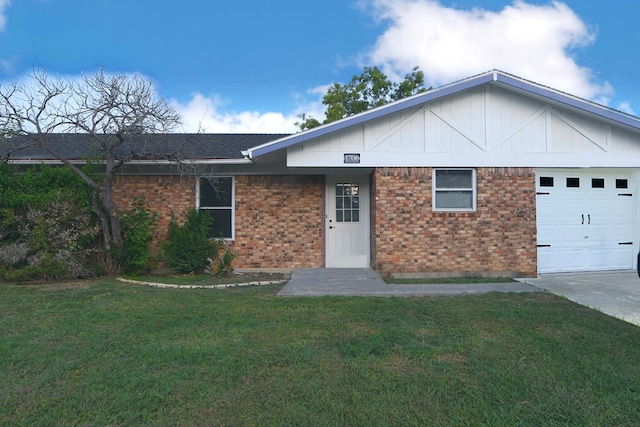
(585, 219)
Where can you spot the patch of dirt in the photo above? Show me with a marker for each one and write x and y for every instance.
(57, 286)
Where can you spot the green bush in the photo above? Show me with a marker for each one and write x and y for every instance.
(188, 247)
(47, 228)
(138, 225)
(47, 269)
(223, 265)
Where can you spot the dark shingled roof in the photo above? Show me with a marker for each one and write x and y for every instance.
(141, 147)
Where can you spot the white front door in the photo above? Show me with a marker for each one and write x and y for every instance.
(585, 220)
(347, 221)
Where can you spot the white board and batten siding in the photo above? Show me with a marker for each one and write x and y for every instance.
(487, 126)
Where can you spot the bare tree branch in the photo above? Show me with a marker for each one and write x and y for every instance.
(121, 116)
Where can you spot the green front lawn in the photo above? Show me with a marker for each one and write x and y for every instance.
(111, 354)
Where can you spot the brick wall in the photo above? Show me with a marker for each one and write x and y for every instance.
(164, 194)
(279, 221)
(410, 239)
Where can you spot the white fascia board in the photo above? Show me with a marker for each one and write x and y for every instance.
(422, 159)
(35, 162)
(568, 99)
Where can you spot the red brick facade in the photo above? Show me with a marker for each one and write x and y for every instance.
(410, 239)
(279, 221)
(165, 195)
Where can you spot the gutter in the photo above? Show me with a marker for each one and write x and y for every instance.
(137, 162)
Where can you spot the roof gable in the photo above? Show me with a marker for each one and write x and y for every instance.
(495, 78)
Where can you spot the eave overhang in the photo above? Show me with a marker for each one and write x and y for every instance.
(28, 162)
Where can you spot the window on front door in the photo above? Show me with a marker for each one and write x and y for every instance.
(347, 202)
(454, 190)
(216, 197)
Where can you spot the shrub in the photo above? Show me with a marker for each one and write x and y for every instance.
(47, 269)
(223, 266)
(47, 229)
(188, 247)
(138, 225)
(51, 243)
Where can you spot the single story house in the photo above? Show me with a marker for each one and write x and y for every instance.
(492, 175)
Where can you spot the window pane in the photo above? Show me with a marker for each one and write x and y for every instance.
(215, 192)
(454, 179)
(454, 200)
(355, 216)
(221, 222)
(622, 183)
(597, 182)
(573, 182)
(546, 181)
(347, 216)
(339, 216)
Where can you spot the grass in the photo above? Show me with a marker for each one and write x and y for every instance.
(108, 354)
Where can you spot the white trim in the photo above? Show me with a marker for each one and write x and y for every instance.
(468, 160)
(233, 203)
(474, 191)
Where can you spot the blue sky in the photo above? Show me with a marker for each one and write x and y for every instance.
(253, 66)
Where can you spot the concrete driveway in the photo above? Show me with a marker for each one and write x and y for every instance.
(616, 293)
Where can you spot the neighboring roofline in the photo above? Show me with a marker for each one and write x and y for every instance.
(437, 93)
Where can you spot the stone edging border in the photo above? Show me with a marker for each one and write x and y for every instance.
(230, 285)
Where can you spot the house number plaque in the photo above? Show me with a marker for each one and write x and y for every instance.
(352, 158)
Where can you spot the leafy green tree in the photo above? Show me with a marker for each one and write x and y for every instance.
(372, 88)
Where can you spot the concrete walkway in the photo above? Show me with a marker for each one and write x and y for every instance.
(366, 282)
(616, 293)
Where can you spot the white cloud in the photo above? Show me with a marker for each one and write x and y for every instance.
(3, 19)
(535, 42)
(7, 66)
(208, 114)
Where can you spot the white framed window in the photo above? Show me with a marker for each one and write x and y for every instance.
(216, 196)
(454, 190)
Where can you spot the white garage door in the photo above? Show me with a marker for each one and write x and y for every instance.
(585, 220)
